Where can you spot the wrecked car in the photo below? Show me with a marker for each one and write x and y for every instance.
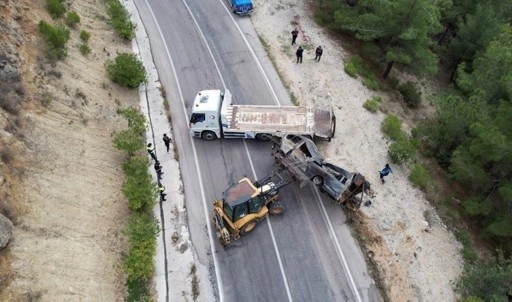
(301, 156)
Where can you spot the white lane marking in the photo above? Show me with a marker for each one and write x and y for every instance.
(281, 266)
(338, 246)
(196, 160)
(276, 100)
(278, 254)
(328, 221)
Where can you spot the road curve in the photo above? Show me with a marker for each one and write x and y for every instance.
(310, 254)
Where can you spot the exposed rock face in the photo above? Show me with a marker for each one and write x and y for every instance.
(11, 88)
(5, 231)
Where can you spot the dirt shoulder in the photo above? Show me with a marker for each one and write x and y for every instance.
(404, 237)
(68, 239)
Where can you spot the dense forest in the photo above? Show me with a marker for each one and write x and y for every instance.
(468, 45)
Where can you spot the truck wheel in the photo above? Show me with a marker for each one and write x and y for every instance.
(248, 227)
(276, 208)
(208, 135)
(318, 180)
(263, 137)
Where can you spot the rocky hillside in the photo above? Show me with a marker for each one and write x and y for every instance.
(60, 176)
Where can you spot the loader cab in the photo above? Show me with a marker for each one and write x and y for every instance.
(242, 199)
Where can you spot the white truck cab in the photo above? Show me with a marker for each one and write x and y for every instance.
(207, 116)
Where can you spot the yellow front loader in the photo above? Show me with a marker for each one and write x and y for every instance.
(245, 203)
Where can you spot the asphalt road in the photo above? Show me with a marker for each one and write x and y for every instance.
(308, 254)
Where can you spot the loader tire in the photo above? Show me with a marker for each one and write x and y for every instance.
(276, 208)
(224, 237)
(249, 227)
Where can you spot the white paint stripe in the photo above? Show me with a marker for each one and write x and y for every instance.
(338, 246)
(319, 200)
(328, 221)
(211, 234)
(281, 267)
(276, 100)
(278, 254)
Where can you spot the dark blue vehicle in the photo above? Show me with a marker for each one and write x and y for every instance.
(241, 7)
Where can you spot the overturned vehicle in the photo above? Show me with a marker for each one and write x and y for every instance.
(301, 157)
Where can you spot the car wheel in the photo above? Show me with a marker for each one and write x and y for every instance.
(318, 180)
(208, 135)
(248, 227)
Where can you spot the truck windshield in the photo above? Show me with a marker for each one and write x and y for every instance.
(197, 118)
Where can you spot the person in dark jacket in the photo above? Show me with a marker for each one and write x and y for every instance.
(318, 53)
(385, 172)
(299, 54)
(167, 142)
(158, 169)
(295, 33)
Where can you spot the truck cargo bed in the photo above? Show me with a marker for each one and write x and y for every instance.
(271, 119)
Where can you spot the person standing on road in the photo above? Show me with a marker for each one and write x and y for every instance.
(385, 172)
(318, 53)
(161, 190)
(299, 54)
(158, 169)
(295, 33)
(167, 142)
(151, 150)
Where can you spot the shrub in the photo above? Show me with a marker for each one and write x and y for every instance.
(372, 83)
(373, 104)
(394, 82)
(55, 8)
(142, 230)
(128, 141)
(392, 127)
(489, 281)
(72, 19)
(56, 37)
(140, 191)
(126, 70)
(468, 251)
(84, 49)
(474, 206)
(120, 19)
(420, 176)
(371, 50)
(138, 291)
(85, 35)
(136, 121)
(136, 166)
(402, 150)
(412, 97)
(353, 66)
